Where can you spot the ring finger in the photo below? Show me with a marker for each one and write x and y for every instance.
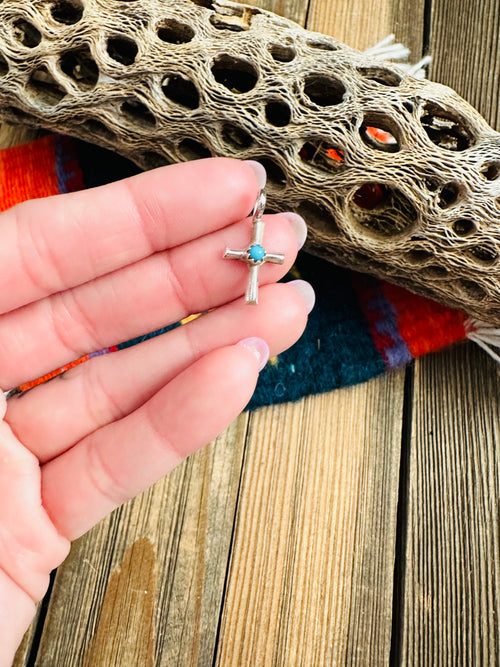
(109, 387)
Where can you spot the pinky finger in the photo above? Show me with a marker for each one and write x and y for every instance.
(120, 460)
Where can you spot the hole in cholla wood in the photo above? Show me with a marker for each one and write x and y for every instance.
(324, 90)
(381, 75)
(137, 112)
(4, 66)
(278, 113)
(483, 254)
(189, 149)
(464, 227)
(97, 128)
(445, 128)
(320, 217)
(236, 74)
(323, 155)
(321, 45)
(81, 67)
(20, 116)
(370, 195)
(181, 90)
(275, 174)
(282, 53)
(26, 33)
(418, 256)
(174, 32)
(382, 210)
(206, 4)
(122, 49)
(435, 272)
(449, 195)
(490, 171)
(235, 18)
(380, 132)
(67, 11)
(152, 160)
(471, 289)
(236, 137)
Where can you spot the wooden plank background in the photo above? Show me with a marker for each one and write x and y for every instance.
(358, 527)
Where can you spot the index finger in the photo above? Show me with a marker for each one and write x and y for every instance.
(49, 245)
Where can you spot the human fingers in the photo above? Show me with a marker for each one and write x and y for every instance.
(49, 245)
(17, 610)
(51, 418)
(30, 547)
(133, 301)
(121, 459)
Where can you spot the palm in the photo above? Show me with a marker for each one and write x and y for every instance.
(87, 270)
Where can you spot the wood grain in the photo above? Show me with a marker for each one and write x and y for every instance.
(361, 24)
(310, 580)
(295, 10)
(465, 46)
(451, 579)
(452, 574)
(351, 22)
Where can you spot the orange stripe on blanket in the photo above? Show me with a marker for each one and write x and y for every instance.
(28, 172)
(424, 325)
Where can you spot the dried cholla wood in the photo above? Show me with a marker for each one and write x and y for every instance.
(395, 176)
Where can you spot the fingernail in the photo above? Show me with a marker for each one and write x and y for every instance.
(3, 404)
(299, 227)
(259, 348)
(259, 171)
(306, 291)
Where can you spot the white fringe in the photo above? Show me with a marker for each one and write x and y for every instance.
(487, 336)
(389, 49)
(418, 70)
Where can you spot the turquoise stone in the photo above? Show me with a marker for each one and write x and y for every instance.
(256, 252)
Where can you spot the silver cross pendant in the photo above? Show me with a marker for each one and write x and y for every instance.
(255, 255)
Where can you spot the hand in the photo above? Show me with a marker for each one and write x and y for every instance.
(87, 270)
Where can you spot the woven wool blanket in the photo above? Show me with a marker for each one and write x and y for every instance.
(360, 327)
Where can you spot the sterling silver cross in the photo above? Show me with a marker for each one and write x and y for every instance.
(255, 255)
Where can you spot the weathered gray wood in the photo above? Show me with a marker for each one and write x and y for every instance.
(452, 567)
(295, 10)
(452, 574)
(310, 581)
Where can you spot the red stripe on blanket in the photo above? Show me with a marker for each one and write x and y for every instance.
(28, 172)
(425, 325)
